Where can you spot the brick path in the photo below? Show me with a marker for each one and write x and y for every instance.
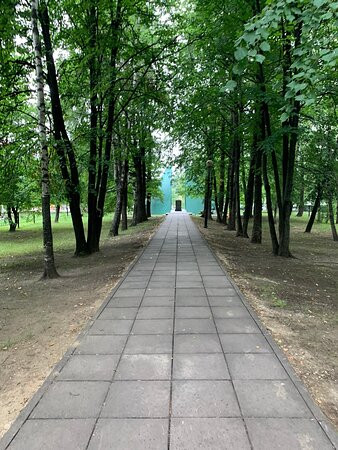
(175, 360)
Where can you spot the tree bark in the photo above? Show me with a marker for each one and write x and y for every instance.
(116, 21)
(232, 193)
(221, 174)
(16, 215)
(331, 217)
(256, 236)
(313, 212)
(249, 193)
(57, 213)
(140, 213)
(301, 197)
(64, 147)
(114, 229)
(92, 194)
(12, 224)
(226, 203)
(49, 264)
(218, 212)
(124, 224)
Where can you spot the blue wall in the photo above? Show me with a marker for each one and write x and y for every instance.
(194, 205)
(159, 206)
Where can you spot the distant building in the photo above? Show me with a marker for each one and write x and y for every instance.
(160, 206)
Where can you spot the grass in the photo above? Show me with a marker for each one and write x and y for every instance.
(269, 295)
(27, 240)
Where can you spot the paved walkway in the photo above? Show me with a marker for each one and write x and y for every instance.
(175, 360)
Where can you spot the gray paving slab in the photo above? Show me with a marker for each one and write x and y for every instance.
(174, 360)
(200, 367)
(197, 343)
(101, 345)
(208, 433)
(105, 326)
(229, 312)
(153, 326)
(251, 366)
(124, 302)
(281, 434)
(155, 312)
(118, 313)
(189, 326)
(71, 400)
(149, 344)
(54, 434)
(89, 368)
(244, 343)
(130, 434)
(206, 398)
(270, 398)
(188, 312)
(242, 325)
(137, 399)
(144, 367)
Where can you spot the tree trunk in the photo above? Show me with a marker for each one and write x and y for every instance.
(289, 162)
(57, 213)
(12, 225)
(64, 147)
(232, 194)
(226, 203)
(140, 213)
(249, 193)
(102, 191)
(124, 225)
(331, 216)
(319, 215)
(256, 236)
(301, 197)
(273, 235)
(49, 264)
(313, 212)
(148, 205)
(93, 184)
(16, 215)
(221, 175)
(114, 229)
(218, 212)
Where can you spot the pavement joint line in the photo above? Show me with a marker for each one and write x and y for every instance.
(172, 348)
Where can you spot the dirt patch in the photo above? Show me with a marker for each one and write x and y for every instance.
(40, 319)
(296, 299)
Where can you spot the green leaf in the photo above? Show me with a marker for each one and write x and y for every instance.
(241, 53)
(230, 86)
(265, 46)
(260, 58)
(319, 3)
(284, 117)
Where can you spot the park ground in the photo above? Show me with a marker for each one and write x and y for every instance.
(296, 298)
(39, 320)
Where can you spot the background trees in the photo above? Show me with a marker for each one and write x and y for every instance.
(249, 85)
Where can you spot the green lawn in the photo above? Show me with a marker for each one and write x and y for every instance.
(27, 239)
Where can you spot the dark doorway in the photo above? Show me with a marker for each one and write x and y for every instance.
(178, 206)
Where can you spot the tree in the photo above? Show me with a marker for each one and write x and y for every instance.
(49, 265)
